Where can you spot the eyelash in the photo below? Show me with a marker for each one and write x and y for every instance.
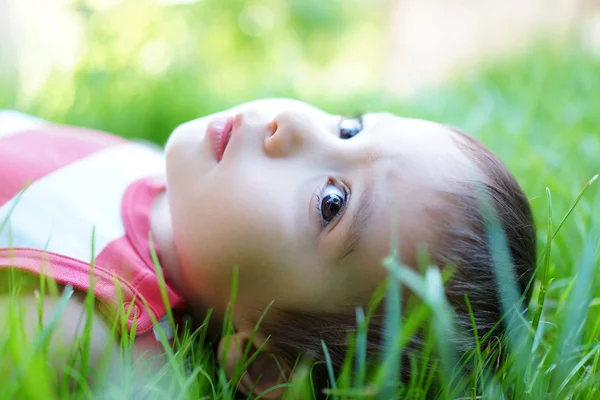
(320, 189)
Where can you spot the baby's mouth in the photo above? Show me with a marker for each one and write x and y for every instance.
(219, 132)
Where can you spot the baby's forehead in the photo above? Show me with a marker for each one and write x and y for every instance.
(414, 154)
(413, 132)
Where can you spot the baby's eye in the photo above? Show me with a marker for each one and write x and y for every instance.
(350, 127)
(333, 201)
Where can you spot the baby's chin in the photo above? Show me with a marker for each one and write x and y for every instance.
(188, 133)
(185, 146)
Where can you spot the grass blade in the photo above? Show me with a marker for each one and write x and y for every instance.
(544, 278)
(329, 365)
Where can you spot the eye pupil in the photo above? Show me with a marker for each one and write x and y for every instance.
(347, 133)
(331, 206)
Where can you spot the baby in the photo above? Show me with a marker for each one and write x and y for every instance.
(298, 201)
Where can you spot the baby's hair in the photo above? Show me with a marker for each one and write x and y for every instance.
(464, 247)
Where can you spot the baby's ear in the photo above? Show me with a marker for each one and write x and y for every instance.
(265, 371)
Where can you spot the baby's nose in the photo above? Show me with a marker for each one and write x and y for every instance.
(256, 122)
(289, 132)
(250, 117)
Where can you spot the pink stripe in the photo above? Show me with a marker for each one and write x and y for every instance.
(31, 155)
(69, 271)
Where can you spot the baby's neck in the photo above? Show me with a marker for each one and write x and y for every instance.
(162, 236)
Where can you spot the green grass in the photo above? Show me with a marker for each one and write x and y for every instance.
(540, 113)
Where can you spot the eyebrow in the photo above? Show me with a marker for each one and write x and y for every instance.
(359, 221)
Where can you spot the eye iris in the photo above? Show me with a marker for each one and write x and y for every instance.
(350, 128)
(331, 206)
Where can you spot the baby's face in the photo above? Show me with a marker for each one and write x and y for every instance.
(300, 201)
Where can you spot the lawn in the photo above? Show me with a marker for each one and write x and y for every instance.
(540, 112)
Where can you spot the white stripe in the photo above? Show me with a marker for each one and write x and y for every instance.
(63, 207)
(12, 122)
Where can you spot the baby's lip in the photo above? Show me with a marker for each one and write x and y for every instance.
(219, 132)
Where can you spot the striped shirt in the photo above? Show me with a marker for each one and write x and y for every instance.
(69, 196)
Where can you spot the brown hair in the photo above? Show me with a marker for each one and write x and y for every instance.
(465, 247)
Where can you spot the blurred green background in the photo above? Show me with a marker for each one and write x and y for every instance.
(145, 66)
